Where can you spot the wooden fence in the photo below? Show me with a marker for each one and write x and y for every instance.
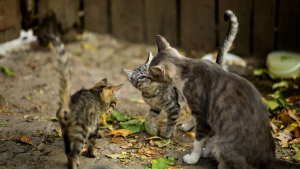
(265, 25)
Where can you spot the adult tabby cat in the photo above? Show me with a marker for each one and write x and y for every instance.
(80, 113)
(163, 97)
(223, 102)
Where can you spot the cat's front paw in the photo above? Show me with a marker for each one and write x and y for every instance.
(91, 154)
(165, 134)
(186, 127)
(190, 159)
(153, 131)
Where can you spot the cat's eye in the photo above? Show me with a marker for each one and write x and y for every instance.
(142, 77)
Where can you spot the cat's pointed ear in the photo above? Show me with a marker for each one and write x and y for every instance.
(150, 57)
(162, 43)
(102, 83)
(158, 70)
(128, 74)
(115, 89)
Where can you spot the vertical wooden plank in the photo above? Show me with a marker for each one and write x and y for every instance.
(10, 20)
(198, 24)
(263, 29)
(242, 9)
(289, 25)
(95, 15)
(126, 19)
(161, 19)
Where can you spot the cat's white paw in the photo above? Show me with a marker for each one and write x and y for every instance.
(190, 159)
(185, 128)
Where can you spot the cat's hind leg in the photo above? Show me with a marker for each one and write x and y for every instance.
(76, 147)
(188, 127)
(152, 115)
(91, 145)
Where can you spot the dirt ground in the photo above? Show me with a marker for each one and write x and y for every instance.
(31, 97)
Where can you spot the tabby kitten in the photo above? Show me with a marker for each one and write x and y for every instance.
(168, 98)
(158, 97)
(223, 102)
(80, 113)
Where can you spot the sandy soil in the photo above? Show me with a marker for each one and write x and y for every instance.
(31, 97)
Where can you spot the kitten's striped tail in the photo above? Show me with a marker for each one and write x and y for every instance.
(230, 36)
(65, 77)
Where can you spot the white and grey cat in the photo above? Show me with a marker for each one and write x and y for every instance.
(163, 97)
(221, 102)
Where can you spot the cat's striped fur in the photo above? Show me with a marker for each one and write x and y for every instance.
(79, 114)
(158, 96)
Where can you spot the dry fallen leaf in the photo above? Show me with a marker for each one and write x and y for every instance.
(120, 132)
(284, 137)
(117, 141)
(191, 134)
(297, 132)
(286, 120)
(292, 99)
(126, 145)
(185, 145)
(154, 138)
(274, 128)
(292, 115)
(25, 139)
(103, 119)
(295, 141)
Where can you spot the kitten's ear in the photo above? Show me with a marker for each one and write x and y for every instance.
(102, 83)
(128, 74)
(158, 70)
(150, 57)
(162, 43)
(116, 88)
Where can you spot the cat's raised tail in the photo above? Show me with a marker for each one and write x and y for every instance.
(230, 36)
(65, 77)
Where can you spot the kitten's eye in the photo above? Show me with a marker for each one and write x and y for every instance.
(142, 77)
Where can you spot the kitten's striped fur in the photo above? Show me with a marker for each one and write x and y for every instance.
(158, 96)
(79, 114)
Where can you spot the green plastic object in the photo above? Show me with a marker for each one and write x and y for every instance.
(284, 64)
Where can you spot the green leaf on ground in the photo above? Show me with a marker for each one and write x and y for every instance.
(121, 117)
(134, 99)
(294, 146)
(29, 98)
(135, 126)
(272, 105)
(147, 127)
(162, 163)
(162, 143)
(260, 72)
(297, 154)
(281, 102)
(276, 95)
(109, 119)
(7, 70)
(284, 84)
(105, 127)
(41, 91)
(4, 122)
(54, 119)
(115, 156)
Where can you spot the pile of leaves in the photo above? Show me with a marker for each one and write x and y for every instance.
(148, 150)
(284, 118)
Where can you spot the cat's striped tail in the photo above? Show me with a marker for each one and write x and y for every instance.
(65, 78)
(230, 36)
